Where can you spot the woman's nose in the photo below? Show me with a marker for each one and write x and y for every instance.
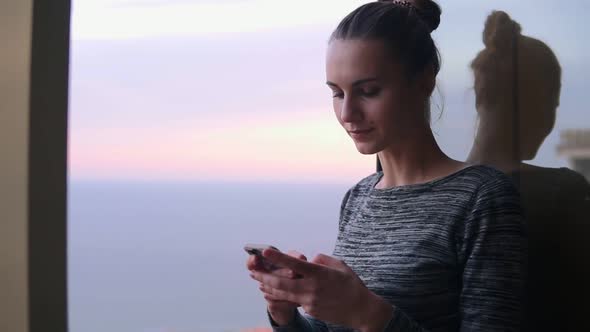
(350, 111)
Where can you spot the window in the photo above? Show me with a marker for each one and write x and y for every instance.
(199, 126)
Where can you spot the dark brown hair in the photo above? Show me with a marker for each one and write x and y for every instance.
(404, 28)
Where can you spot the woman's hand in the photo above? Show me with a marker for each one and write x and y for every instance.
(329, 290)
(282, 311)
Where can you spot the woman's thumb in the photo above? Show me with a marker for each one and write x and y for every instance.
(328, 261)
(297, 254)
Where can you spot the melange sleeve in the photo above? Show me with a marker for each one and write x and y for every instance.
(300, 323)
(491, 249)
(343, 211)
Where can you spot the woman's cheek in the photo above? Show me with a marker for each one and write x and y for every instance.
(379, 108)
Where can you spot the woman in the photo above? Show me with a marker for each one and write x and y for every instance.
(429, 243)
(517, 87)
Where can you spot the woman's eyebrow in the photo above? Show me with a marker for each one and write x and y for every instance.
(355, 83)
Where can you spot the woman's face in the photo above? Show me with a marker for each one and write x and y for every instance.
(373, 99)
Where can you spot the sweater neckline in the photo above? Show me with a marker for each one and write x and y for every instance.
(416, 186)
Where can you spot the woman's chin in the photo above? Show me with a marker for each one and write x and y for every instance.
(366, 148)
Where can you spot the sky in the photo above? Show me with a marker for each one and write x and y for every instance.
(234, 90)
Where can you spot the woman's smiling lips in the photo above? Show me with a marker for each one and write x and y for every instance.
(360, 134)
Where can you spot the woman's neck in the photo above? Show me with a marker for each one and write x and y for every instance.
(417, 161)
(494, 143)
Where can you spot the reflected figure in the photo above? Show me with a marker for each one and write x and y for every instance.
(517, 87)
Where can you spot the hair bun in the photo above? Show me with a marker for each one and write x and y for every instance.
(430, 12)
(500, 30)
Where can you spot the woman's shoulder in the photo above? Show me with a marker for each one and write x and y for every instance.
(493, 194)
(477, 178)
(491, 197)
(366, 183)
(490, 184)
(485, 173)
(364, 186)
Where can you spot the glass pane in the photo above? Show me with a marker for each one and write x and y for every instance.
(197, 127)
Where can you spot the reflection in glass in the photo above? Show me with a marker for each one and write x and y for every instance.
(517, 87)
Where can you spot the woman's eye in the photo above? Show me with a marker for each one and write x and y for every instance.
(370, 92)
(336, 94)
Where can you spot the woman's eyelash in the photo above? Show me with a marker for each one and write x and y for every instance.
(365, 93)
(370, 92)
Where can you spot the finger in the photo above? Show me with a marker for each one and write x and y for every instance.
(284, 260)
(279, 295)
(255, 263)
(268, 295)
(251, 262)
(297, 254)
(294, 286)
(280, 305)
(329, 261)
(274, 301)
(285, 273)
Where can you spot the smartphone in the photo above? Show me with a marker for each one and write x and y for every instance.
(257, 249)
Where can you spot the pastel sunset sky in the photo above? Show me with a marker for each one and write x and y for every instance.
(234, 90)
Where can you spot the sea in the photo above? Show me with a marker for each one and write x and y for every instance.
(168, 256)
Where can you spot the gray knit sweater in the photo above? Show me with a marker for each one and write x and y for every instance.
(448, 255)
